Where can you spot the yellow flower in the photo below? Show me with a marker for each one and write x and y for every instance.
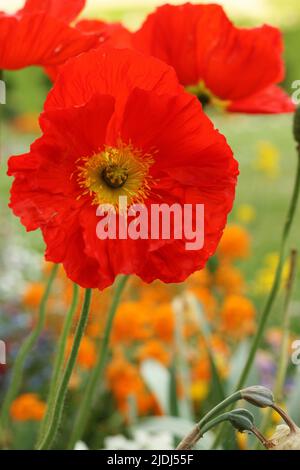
(245, 213)
(199, 390)
(267, 161)
(242, 440)
(265, 276)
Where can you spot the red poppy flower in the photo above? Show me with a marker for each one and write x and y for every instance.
(108, 34)
(40, 34)
(118, 123)
(235, 68)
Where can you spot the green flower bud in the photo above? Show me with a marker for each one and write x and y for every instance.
(241, 419)
(258, 395)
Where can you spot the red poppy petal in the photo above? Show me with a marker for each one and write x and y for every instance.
(108, 34)
(270, 100)
(173, 126)
(169, 34)
(202, 44)
(64, 10)
(84, 128)
(244, 62)
(110, 71)
(111, 34)
(38, 39)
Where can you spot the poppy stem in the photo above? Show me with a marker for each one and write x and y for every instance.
(191, 439)
(275, 287)
(25, 349)
(96, 376)
(59, 360)
(61, 391)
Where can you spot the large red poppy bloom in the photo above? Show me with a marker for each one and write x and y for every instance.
(40, 34)
(115, 116)
(235, 68)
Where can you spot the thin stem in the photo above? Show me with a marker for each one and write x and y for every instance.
(17, 370)
(191, 439)
(261, 438)
(60, 396)
(59, 359)
(288, 420)
(274, 290)
(96, 376)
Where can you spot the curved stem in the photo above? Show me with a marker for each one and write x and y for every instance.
(17, 370)
(60, 396)
(96, 375)
(59, 359)
(190, 440)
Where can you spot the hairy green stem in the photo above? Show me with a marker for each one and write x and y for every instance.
(61, 392)
(59, 360)
(96, 376)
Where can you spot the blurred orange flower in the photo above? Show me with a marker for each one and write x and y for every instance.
(87, 354)
(163, 322)
(124, 381)
(27, 407)
(238, 316)
(33, 294)
(229, 279)
(154, 349)
(235, 242)
(131, 323)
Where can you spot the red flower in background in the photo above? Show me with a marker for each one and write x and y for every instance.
(108, 34)
(40, 34)
(235, 68)
(116, 111)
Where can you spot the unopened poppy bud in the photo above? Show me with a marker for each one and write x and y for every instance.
(297, 126)
(242, 420)
(285, 439)
(258, 395)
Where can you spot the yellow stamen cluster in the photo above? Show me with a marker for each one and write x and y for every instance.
(116, 172)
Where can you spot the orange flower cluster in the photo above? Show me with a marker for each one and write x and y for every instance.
(146, 325)
(27, 407)
(125, 382)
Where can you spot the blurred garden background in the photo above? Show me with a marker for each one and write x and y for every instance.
(149, 330)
